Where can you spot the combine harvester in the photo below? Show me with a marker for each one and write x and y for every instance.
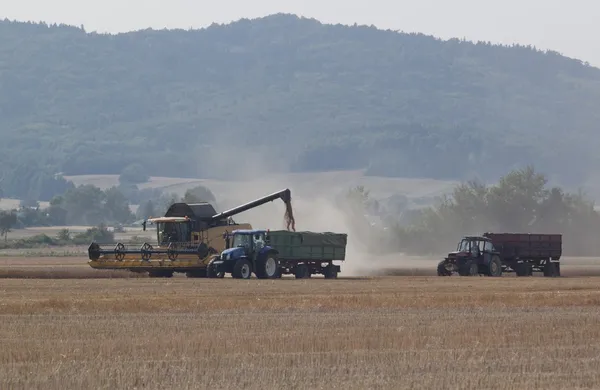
(190, 237)
(494, 253)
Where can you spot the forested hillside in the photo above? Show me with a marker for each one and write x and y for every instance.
(303, 95)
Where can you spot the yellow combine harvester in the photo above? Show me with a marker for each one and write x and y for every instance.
(189, 236)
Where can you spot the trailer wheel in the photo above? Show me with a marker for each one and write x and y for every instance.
(441, 269)
(524, 269)
(495, 267)
(242, 269)
(301, 271)
(551, 270)
(330, 272)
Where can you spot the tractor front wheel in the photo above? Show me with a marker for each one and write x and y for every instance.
(441, 269)
(495, 267)
(242, 269)
(469, 268)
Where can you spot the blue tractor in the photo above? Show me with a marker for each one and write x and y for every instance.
(248, 252)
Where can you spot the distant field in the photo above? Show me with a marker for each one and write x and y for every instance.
(52, 231)
(10, 204)
(357, 333)
(301, 183)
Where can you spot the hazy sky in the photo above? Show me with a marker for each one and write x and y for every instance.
(569, 27)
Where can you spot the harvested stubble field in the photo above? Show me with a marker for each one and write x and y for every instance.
(379, 332)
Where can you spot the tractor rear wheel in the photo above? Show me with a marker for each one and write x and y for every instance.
(267, 268)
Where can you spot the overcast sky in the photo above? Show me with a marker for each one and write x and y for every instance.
(565, 26)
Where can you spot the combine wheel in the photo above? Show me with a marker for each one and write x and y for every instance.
(119, 251)
(495, 267)
(242, 269)
(146, 254)
(160, 274)
(441, 269)
(196, 274)
(301, 271)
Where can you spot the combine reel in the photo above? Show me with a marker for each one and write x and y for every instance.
(172, 252)
(146, 251)
(119, 251)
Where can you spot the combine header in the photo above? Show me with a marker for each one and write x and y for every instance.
(189, 236)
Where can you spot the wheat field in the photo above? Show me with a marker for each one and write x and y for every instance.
(65, 326)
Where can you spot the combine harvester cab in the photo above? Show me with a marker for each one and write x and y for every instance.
(495, 253)
(189, 237)
(269, 254)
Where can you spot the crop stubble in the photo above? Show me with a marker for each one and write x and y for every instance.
(389, 332)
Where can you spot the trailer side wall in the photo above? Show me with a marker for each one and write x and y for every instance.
(527, 246)
(309, 245)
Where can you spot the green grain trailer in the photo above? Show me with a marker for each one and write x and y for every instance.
(270, 254)
(306, 253)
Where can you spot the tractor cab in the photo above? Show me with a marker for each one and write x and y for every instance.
(473, 255)
(473, 247)
(250, 240)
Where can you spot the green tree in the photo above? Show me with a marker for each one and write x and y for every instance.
(199, 194)
(64, 235)
(146, 210)
(519, 202)
(7, 221)
(117, 207)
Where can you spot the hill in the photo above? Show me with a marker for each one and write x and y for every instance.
(285, 94)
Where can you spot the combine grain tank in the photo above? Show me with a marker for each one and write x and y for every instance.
(269, 254)
(494, 253)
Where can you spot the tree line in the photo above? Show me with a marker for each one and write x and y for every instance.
(520, 202)
(91, 206)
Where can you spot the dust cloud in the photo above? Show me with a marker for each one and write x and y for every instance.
(316, 202)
